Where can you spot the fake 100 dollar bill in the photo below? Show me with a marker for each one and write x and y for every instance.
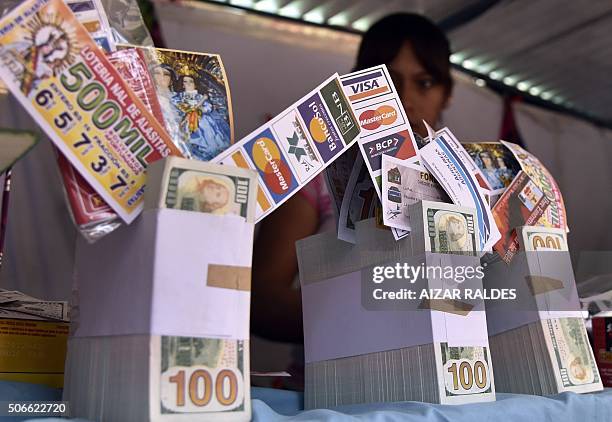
(191, 185)
(200, 376)
(571, 355)
(445, 228)
(463, 373)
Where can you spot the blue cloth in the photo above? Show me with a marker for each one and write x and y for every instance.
(568, 407)
(278, 405)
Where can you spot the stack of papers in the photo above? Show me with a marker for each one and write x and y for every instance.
(437, 351)
(547, 333)
(178, 348)
(33, 334)
(158, 378)
(546, 357)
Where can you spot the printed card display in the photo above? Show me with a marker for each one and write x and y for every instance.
(452, 166)
(385, 128)
(522, 204)
(295, 146)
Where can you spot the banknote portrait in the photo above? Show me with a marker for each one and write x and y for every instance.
(206, 193)
(452, 233)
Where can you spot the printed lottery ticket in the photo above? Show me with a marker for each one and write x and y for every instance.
(65, 82)
(555, 215)
(522, 204)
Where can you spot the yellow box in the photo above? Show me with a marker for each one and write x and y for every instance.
(33, 351)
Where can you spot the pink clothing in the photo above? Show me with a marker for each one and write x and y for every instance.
(318, 196)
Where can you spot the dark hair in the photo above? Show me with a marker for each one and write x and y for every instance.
(165, 67)
(382, 42)
(196, 82)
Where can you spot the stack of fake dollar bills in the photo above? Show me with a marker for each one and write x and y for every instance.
(554, 357)
(200, 285)
(424, 373)
(439, 352)
(550, 338)
(157, 378)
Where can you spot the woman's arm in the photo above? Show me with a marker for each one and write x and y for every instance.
(276, 307)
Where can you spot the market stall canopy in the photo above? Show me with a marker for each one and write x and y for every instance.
(554, 52)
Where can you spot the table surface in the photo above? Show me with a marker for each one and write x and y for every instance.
(281, 405)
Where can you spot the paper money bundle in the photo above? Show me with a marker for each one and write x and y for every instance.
(174, 292)
(545, 357)
(152, 377)
(539, 343)
(360, 349)
(33, 334)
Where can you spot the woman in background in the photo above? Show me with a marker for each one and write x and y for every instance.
(417, 54)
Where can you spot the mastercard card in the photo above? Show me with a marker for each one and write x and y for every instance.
(291, 149)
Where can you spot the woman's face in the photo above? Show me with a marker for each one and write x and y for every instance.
(162, 77)
(423, 99)
(188, 83)
(486, 160)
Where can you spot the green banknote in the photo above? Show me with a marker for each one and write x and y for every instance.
(203, 375)
(571, 352)
(209, 192)
(450, 231)
(466, 371)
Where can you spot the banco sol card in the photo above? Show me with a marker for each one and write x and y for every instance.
(292, 148)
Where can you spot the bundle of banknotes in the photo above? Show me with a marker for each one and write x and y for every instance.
(158, 378)
(140, 376)
(424, 352)
(544, 327)
(555, 357)
(406, 374)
